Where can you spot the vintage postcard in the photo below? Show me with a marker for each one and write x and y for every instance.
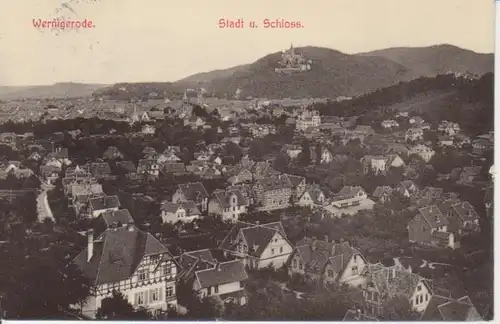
(247, 160)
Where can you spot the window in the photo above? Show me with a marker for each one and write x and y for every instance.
(234, 208)
(170, 291)
(294, 263)
(140, 298)
(167, 270)
(416, 300)
(155, 258)
(155, 295)
(419, 288)
(209, 290)
(216, 289)
(426, 297)
(300, 265)
(354, 270)
(272, 251)
(143, 274)
(330, 273)
(355, 258)
(281, 249)
(421, 298)
(234, 200)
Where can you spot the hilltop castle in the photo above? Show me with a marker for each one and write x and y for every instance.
(292, 62)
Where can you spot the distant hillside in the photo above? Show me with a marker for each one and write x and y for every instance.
(57, 91)
(206, 77)
(333, 73)
(125, 91)
(444, 97)
(438, 59)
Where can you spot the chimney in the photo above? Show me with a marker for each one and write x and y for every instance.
(130, 226)
(313, 243)
(217, 266)
(90, 244)
(326, 238)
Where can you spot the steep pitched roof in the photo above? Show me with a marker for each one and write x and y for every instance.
(222, 273)
(192, 189)
(117, 217)
(433, 216)
(392, 281)
(465, 211)
(380, 190)
(348, 192)
(223, 197)
(117, 253)
(441, 308)
(256, 236)
(104, 202)
(189, 206)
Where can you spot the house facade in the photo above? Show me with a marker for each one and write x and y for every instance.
(193, 191)
(228, 205)
(327, 262)
(131, 262)
(258, 245)
(174, 212)
(307, 119)
(431, 227)
(384, 283)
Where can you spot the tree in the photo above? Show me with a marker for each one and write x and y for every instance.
(281, 162)
(398, 308)
(304, 157)
(117, 307)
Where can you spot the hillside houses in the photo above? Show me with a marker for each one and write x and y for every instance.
(172, 213)
(277, 192)
(449, 128)
(431, 227)
(327, 262)
(307, 119)
(422, 151)
(209, 278)
(194, 191)
(132, 262)
(414, 134)
(383, 283)
(349, 201)
(258, 245)
(228, 204)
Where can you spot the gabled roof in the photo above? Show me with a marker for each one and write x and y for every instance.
(189, 206)
(117, 217)
(394, 280)
(192, 190)
(104, 202)
(348, 192)
(117, 253)
(433, 216)
(223, 197)
(465, 211)
(222, 273)
(441, 308)
(381, 190)
(257, 237)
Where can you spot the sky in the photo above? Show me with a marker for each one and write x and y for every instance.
(166, 40)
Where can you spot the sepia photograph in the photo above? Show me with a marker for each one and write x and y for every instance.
(279, 160)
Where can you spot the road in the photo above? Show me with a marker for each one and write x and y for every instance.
(42, 205)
